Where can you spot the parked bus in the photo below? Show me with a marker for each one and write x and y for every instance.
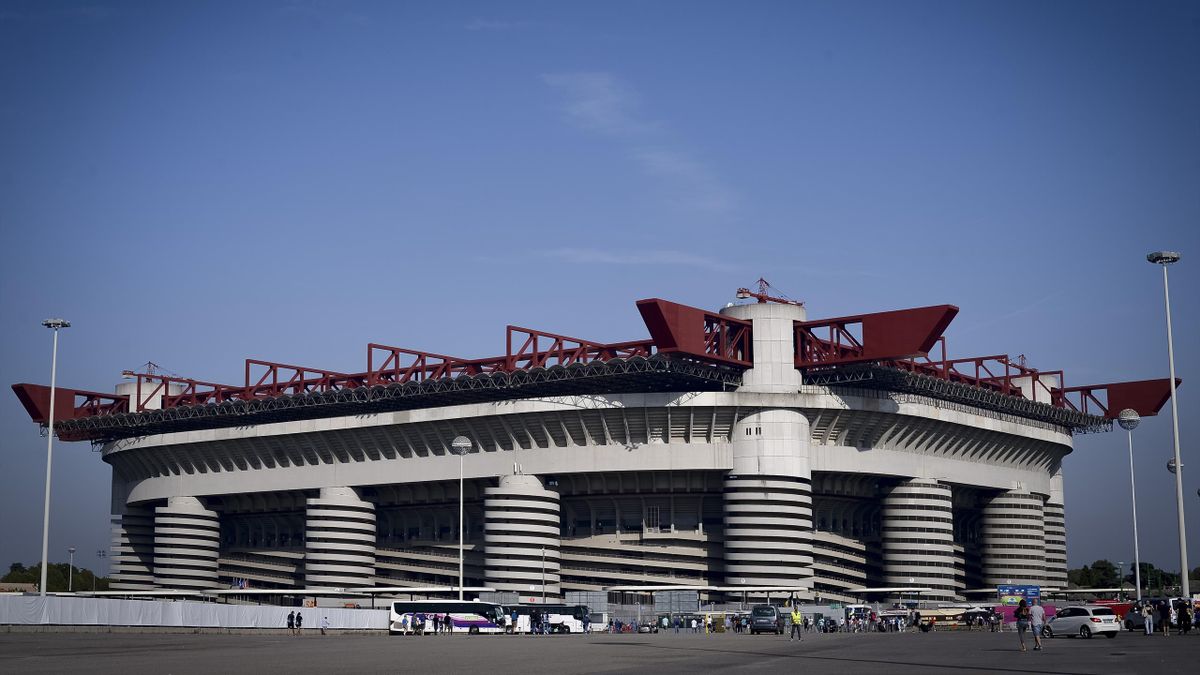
(466, 617)
(561, 618)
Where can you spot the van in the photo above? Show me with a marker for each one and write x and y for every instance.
(765, 619)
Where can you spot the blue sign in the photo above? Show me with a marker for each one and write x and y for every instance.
(1012, 595)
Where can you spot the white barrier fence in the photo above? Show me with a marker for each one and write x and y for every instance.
(35, 610)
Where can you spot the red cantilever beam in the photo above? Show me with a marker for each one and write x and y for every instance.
(690, 331)
(898, 334)
(36, 400)
(1146, 397)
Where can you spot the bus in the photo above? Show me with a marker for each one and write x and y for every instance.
(466, 617)
(562, 618)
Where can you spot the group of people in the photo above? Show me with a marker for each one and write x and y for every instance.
(421, 623)
(295, 622)
(1167, 614)
(1030, 616)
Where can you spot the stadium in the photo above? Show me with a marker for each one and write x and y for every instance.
(735, 452)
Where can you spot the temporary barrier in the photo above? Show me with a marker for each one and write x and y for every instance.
(36, 610)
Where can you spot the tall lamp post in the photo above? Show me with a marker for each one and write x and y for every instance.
(1165, 258)
(101, 553)
(1129, 419)
(71, 578)
(55, 325)
(460, 446)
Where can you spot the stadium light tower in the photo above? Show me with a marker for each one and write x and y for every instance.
(71, 578)
(55, 325)
(1129, 419)
(460, 446)
(1165, 258)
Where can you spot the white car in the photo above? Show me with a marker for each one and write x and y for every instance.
(1084, 621)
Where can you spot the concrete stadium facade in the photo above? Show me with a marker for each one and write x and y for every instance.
(770, 481)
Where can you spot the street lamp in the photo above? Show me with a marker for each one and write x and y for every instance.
(101, 553)
(55, 325)
(543, 575)
(460, 446)
(1165, 258)
(1129, 419)
(71, 577)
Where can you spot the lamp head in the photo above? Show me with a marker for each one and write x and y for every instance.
(461, 445)
(56, 323)
(1163, 257)
(1129, 419)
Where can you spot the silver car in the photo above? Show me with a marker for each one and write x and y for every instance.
(1084, 621)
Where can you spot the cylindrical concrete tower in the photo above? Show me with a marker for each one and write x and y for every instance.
(339, 540)
(918, 538)
(1056, 534)
(132, 550)
(1014, 550)
(768, 495)
(521, 537)
(186, 541)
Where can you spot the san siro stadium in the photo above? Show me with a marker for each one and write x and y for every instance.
(734, 451)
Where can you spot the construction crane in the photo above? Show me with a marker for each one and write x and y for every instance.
(763, 296)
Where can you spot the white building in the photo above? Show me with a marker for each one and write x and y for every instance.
(747, 448)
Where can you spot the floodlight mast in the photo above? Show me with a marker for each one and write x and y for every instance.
(1165, 258)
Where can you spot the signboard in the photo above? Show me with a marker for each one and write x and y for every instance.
(1012, 595)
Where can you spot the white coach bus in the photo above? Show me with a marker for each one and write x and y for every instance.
(407, 617)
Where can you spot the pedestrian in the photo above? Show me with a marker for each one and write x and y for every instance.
(324, 624)
(1037, 619)
(1148, 618)
(1022, 615)
(291, 622)
(677, 622)
(299, 623)
(797, 621)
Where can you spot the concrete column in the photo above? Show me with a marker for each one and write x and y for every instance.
(918, 538)
(1014, 546)
(187, 537)
(132, 550)
(1056, 534)
(768, 503)
(339, 540)
(521, 520)
(768, 496)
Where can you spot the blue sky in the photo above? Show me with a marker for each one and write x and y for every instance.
(195, 184)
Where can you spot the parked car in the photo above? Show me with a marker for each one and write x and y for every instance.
(1084, 621)
(648, 627)
(765, 619)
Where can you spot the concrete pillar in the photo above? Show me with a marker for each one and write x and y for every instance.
(1056, 534)
(768, 496)
(768, 503)
(1014, 546)
(521, 520)
(187, 538)
(339, 540)
(132, 550)
(918, 538)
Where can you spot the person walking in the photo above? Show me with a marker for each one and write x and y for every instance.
(324, 624)
(1037, 619)
(797, 623)
(1148, 618)
(1022, 615)
(291, 622)
(299, 623)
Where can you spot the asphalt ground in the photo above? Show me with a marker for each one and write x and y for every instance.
(884, 654)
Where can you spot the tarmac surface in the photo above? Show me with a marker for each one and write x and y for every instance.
(884, 654)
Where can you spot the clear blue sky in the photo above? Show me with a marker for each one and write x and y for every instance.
(198, 183)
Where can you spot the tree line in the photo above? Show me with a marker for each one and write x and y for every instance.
(56, 577)
(1107, 574)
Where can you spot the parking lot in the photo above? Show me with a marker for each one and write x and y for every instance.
(205, 654)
